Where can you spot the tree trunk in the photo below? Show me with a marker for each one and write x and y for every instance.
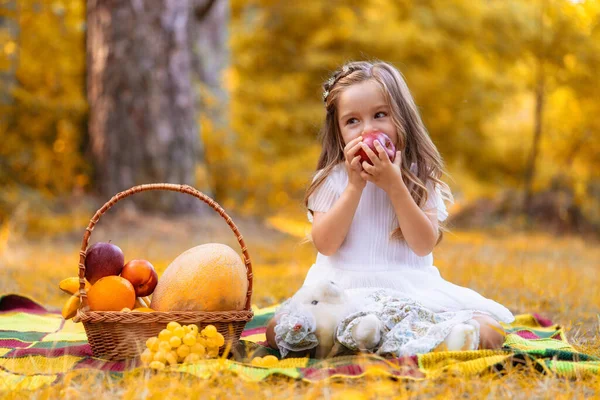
(210, 58)
(142, 125)
(9, 22)
(538, 117)
(208, 36)
(537, 134)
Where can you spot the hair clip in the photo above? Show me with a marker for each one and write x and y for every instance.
(331, 81)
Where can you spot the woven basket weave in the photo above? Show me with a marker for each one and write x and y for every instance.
(117, 335)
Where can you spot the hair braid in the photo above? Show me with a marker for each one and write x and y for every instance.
(337, 75)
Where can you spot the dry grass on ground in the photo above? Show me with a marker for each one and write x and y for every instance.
(557, 277)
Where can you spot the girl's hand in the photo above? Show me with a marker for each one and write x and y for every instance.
(353, 167)
(383, 172)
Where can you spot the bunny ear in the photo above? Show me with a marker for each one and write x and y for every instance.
(331, 290)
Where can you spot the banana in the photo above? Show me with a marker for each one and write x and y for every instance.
(71, 285)
(70, 308)
(143, 309)
(140, 303)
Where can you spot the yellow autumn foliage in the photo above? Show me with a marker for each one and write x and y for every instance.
(473, 68)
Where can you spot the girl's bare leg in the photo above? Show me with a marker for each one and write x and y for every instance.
(271, 331)
(491, 333)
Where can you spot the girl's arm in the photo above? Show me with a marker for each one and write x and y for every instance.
(420, 229)
(330, 228)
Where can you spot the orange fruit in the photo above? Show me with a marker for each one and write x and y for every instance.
(111, 293)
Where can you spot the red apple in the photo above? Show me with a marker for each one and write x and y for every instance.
(103, 259)
(142, 276)
(369, 139)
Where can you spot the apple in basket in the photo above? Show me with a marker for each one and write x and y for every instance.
(142, 276)
(103, 259)
(369, 139)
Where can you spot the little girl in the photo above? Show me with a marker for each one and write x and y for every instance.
(376, 225)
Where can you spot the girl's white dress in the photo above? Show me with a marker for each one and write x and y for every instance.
(369, 257)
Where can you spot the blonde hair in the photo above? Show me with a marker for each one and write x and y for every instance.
(413, 140)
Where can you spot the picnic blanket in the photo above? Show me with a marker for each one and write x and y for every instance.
(38, 347)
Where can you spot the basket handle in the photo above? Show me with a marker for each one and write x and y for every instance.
(160, 186)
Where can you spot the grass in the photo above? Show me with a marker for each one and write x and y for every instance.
(527, 272)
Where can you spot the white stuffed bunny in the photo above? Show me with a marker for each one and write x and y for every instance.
(328, 317)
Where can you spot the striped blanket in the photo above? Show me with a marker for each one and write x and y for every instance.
(38, 347)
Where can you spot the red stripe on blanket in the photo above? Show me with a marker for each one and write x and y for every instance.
(314, 373)
(544, 322)
(83, 350)
(406, 360)
(12, 343)
(255, 331)
(14, 302)
(527, 335)
(408, 370)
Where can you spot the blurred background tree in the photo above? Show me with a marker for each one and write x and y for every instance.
(42, 129)
(476, 69)
(508, 91)
(142, 114)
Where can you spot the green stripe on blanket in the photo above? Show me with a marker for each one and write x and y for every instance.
(38, 348)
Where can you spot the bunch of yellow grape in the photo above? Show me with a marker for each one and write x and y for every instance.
(266, 361)
(181, 344)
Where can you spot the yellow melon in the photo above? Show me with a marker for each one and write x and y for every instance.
(209, 277)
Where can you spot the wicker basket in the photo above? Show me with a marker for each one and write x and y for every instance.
(117, 335)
